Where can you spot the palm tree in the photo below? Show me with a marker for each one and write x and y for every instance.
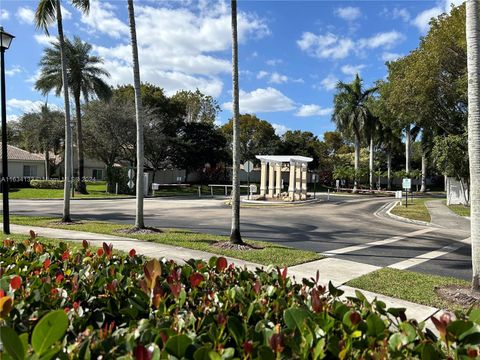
(371, 129)
(139, 223)
(351, 114)
(235, 236)
(473, 68)
(47, 12)
(85, 78)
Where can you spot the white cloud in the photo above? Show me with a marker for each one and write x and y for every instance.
(25, 15)
(23, 106)
(280, 129)
(178, 48)
(262, 100)
(330, 82)
(4, 14)
(66, 15)
(402, 13)
(273, 62)
(313, 110)
(276, 78)
(331, 46)
(388, 56)
(43, 39)
(14, 70)
(348, 13)
(261, 74)
(352, 69)
(422, 20)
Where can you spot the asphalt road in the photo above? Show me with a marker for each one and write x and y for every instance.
(328, 226)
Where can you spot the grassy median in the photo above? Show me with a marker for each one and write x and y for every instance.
(460, 209)
(408, 285)
(269, 253)
(416, 209)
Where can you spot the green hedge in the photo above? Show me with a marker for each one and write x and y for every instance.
(47, 184)
(56, 302)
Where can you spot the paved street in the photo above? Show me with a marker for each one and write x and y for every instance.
(345, 227)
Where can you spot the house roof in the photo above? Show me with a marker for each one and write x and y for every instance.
(284, 158)
(15, 153)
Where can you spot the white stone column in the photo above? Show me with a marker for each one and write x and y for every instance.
(291, 183)
(304, 181)
(263, 178)
(271, 179)
(298, 177)
(278, 179)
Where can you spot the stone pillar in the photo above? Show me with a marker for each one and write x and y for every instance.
(298, 177)
(304, 182)
(278, 180)
(291, 183)
(271, 179)
(263, 178)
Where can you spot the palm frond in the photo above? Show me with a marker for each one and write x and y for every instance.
(45, 14)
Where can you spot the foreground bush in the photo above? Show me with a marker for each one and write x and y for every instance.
(91, 303)
(47, 184)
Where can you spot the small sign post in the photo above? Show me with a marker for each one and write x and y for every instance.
(248, 167)
(314, 179)
(131, 176)
(406, 185)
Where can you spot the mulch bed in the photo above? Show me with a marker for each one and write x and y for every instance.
(147, 230)
(463, 296)
(73, 222)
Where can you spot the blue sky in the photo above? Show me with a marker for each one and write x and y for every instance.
(291, 52)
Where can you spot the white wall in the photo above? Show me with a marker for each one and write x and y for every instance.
(15, 168)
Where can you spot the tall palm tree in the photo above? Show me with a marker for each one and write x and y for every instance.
(85, 78)
(351, 114)
(139, 222)
(235, 236)
(371, 129)
(473, 68)
(47, 12)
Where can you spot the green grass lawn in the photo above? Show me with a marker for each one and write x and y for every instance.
(95, 190)
(408, 285)
(460, 210)
(269, 254)
(416, 210)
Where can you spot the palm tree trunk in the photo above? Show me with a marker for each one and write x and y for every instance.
(408, 137)
(235, 236)
(389, 170)
(371, 163)
(81, 187)
(47, 164)
(473, 68)
(68, 130)
(139, 222)
(424, 172)
(357, 162)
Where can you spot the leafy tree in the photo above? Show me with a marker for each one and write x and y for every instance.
(109, 132)
(304, 143)
(47, 12)
(85, 78)
(351, 113)
(198, 106)
(257, 137)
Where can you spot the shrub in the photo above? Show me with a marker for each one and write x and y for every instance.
(47, 184)
(92, 303)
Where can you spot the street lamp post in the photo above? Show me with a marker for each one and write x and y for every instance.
(5, 41)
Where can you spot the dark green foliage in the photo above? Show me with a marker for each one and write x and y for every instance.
(47, 184)
(90, 303)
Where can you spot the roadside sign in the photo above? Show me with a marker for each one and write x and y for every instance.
(131, 184)
(407, 183)
(398, 194)
(253, 189)
(131, 173)
(248, 166)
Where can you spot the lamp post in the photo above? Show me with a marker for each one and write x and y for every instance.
(5, 41)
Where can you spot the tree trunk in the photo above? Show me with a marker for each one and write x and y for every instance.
(424, 172)
(235, 236)
(473, 68)
(68, 130)
(47, 164)
(408, 137)
(139, 222)
(81, 186)
(389, 170)
(357, 163)
(371, 163)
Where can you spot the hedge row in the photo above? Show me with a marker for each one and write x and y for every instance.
(57, 302)
(47, 184)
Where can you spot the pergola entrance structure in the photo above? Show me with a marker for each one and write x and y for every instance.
(273, 165)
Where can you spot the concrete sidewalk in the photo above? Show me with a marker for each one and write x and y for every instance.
(331, 269)
(443, 217)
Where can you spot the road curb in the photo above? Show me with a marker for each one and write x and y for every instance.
(385, 212)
